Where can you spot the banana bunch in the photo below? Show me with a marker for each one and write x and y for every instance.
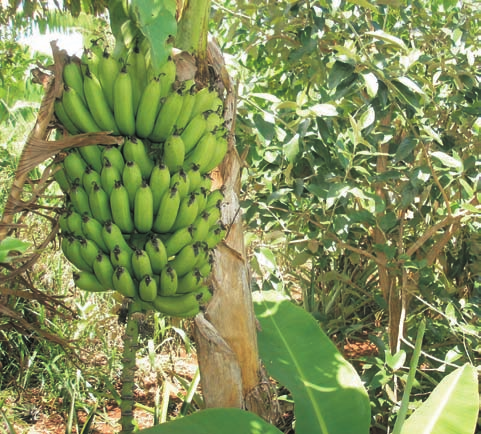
(141, 218)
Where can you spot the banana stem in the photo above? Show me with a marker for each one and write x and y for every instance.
(129, 367)
(192, 32)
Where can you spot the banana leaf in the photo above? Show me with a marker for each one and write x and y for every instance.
(328, 394)
(216, 421)
(451, 408)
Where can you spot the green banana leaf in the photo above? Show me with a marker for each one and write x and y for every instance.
(216, 421)
(452, 407)
(328, 394)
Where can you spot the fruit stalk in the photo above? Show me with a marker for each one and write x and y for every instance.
(129, 367)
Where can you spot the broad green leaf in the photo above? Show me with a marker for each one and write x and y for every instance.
(298, 354)
(266, 259)
(10, 244)
(324, 110)
(395, 361)
(216, 421)
(388, 221)
(386, 37)
(405, 148)
(266, 96)
(159, 26)
(291, 148)
(447, 160)
(367, 118)
(411, 85)
(452, 407)
(339, 72)
(372, 85)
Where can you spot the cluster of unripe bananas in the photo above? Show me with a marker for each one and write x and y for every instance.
(141, 217)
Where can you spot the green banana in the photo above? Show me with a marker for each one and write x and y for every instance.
(104, 270)
(97, 103)
(149, 107)
(92, 154)
(143, 208)
(134, 149)
(216, 235)
(92, 229)
(215, 198)
(185, 305)
(90, 175)
(88, 250)
(167, 117)
(206, 268)
(214, 122)
(167, 213)
(186, 259)
(100, 204)
(180, 179)
(78, 112)
(218, 155)
(194, 178)
(73, 221)
(124, 113)
(112, 236)
(187, 213)
(63, 221)
(74, 166)
(87, 281)
(194, 130)
(61, 178)
(80, 199)
(214, 215)
(204, 255)
(71, 249)
(206, 99)
(64, 118)
(188, 99)
(72, 76)
(89, 61)
(202, 153)
(202, 194)
(201, 227)
(206, 181)
(189, 282)
(168, 282)
(157, 253)
(147, 288)
(109, 175)
(138, 72)
(122, 257)
(114, 155)
(167, 75)
(108, 69)
(132, 180)
(141, 264)
(123, 282)
(159, 183)
(120, 207)
(178, 240)
(174, 153)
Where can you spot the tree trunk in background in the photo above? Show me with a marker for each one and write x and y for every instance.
(231, 374)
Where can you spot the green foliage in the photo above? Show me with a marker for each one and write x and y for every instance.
(360, 126)
(452, 406)
(324, 386)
